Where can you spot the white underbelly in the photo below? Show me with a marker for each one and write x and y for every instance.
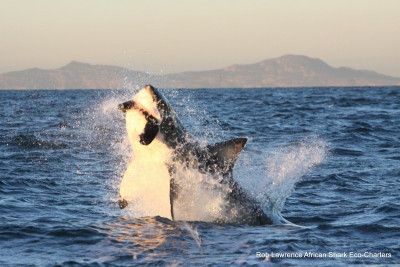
(146, 183)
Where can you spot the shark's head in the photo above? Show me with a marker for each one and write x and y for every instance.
(146, 99)
(159, 116)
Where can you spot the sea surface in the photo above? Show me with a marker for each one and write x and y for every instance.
(328, 157)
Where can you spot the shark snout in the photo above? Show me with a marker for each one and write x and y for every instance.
(126, 105)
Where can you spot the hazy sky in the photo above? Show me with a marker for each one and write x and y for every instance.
(171, 35)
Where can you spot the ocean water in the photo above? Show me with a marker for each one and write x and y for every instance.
(328, 158)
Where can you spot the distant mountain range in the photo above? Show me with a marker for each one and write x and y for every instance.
(285, 71)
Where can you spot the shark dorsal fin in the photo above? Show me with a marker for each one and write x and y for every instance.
(225, 154)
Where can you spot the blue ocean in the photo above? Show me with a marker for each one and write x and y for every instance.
(327, 158)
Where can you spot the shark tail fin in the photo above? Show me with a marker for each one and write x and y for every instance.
(225, 154)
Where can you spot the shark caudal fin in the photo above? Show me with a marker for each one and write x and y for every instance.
(224, 155)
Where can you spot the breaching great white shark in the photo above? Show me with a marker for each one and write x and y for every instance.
(157, 135)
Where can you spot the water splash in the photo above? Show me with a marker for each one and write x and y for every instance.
(201, 196)
(193, 232)
(286, 167)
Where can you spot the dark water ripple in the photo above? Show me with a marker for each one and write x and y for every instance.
(61, 162)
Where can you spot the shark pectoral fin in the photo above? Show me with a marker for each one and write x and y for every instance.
(172, 195)
(226, 153)
(150, 131)
(173, 189)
